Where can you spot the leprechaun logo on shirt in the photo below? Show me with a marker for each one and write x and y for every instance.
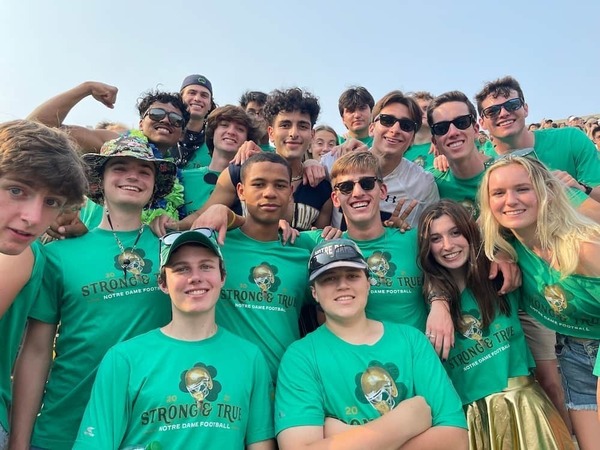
(265, 277)
(381, 269)
(133, 261)
(377, 386)
(470, 327)
(557, 298)
(200, 382)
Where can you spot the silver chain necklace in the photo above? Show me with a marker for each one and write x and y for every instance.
(129, 260)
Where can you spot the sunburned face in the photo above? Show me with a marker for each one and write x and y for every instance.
(128, 181)
(456, 144)
(27, 211)
(361, 205)
(198, 100)
(506, 123)
(229, 136)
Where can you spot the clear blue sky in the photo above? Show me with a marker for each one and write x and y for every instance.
(551, 47)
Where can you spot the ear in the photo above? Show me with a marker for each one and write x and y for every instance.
(335, 199)
(270, 132)
(162, 284)
(140, 124)
(313, 291)
(312, 133)
(433, 137)
(383, 191)
(240, 191)
(475, 128)
(482, 123)
(371, 128)
(526, 109)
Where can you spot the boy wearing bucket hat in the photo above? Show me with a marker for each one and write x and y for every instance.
(186, 366)
(100, 287)
(360, 383)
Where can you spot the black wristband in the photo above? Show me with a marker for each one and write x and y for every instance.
(588, 189)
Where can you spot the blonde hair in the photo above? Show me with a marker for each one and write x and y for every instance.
(360, 161)
(560, 228)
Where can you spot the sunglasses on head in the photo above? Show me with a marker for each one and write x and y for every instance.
(158, 114)
(168, 239)
(388, 121)
(339, 253)
(529, 151)
(461, 122)
(491, 112)
(366, 184)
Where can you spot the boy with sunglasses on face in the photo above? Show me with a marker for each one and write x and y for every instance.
(501, 105)
(396, 120)
(180, 386)
(358, 383)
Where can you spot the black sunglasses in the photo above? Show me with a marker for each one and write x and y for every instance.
(342, 252)
(388, 121)
(491, 112)
(461, 122)
(366, 183)
(158, 114)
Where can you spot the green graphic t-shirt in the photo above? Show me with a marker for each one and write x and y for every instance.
(265, 288)
(420, 155)
(198, 184)
(97, 305)
(323, 376)
(156, 392)
(483, 359)
(569, 306)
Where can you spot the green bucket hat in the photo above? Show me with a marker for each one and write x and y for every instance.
(132, 147)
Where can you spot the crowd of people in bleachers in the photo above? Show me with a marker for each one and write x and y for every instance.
(241, 276)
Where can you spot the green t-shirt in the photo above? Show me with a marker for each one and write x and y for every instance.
(85, 290)
(395, 277)
(597, 367)
(482, 360)
(463, 191)
(420, 155)
(569, 149)
(158, 392)
(12, 326)
(487, 148)
(323, 376)
(200, 158)
(198, 184)
(569, 306)
(368, 140)
(265, 288)
(91, 214)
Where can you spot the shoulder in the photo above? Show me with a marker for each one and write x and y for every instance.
(589, 263)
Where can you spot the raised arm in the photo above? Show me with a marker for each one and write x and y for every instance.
(53, 112)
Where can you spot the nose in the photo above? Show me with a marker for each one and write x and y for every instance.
(357, 190)
(446, 242)
(269, 191)
(510, 197)
(32, 211)
(396, 127)
(294, 131)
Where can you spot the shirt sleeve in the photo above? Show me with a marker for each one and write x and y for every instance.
(47, 305)
(431, 381)
(108, 412)
(587, 158)
(260, 420)
(299, 399)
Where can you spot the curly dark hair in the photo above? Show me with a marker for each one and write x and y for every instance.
(253, 96)
(496, 88)
(290, 100)
(172, 98)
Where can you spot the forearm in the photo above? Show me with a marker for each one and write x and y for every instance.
(30, 374)
(53, 112)
(439, 438)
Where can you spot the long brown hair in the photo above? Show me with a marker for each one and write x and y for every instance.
(439, 279)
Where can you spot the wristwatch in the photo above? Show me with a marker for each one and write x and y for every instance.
(587, 189)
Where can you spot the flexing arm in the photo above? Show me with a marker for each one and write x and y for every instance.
(31, 372)
(15, 271)
(53, 112)
(390, 431)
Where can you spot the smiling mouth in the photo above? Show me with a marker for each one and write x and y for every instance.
(451, 256)
(359, 205)
(196, 291)
(505, 123)
(344, 298)
(515, 212)
(130, 188)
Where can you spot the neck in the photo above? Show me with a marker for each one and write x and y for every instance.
(528, 237)
(259, 231)
(389, 163)
(468, 167)
(187, 327)
(356, 330)
(365, 231)
(423, 136)
(505, 145)
(296, 165)
(122, 220)
(195, 124)
(359, 134)
(220, 160)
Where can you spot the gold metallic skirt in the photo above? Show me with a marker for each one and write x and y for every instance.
(520, 417)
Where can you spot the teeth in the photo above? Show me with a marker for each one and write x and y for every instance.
(451, 255)
(505, 122)
(198, 291)
(456, 144)
(131, 188)
(360, 205)
(344, 298)
(514, 213)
